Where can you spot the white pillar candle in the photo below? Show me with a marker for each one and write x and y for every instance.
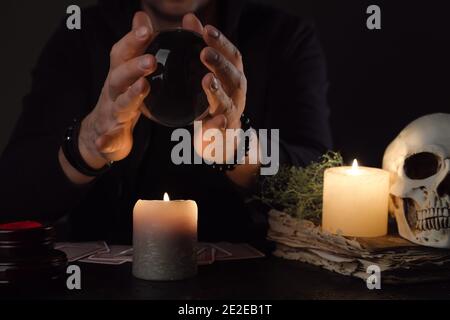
(355, 201)
(164, 239)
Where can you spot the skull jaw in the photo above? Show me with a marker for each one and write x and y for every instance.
(406, 217)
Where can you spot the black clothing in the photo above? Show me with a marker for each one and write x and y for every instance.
(287, 88)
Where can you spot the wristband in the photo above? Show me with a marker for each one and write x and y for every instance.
(72, 153)
(245, 125)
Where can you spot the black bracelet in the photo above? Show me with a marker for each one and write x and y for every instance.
(72, 152)
(222, 167)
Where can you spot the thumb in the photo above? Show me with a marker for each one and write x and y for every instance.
(142, 19)
(192, 23)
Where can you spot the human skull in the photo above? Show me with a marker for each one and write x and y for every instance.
(419, 161)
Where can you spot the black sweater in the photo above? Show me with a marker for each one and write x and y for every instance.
(287, 88)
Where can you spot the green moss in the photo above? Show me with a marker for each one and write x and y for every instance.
(298, 191)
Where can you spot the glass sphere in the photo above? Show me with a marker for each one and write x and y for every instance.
(176, 96)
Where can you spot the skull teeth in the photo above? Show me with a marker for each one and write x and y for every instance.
(433, 219)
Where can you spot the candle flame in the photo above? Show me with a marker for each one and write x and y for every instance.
(166, 197)
(355, 167)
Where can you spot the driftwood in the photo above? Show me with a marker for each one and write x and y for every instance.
(399, 260)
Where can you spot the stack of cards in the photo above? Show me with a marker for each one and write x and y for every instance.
(101, 253)
(209, 252)
(114, 255)
(80, 250)
(96, 252)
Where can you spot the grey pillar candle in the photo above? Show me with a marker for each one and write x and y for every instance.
(164, 239)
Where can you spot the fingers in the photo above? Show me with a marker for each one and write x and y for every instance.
(134, 43)
(142, 19)
(145, 111)
(219, 101)
(135, 120)
(128, 104)
(122, 77)
(192, 23)
(233, 80)
(215, 39)
(226, 91)
(115, 142)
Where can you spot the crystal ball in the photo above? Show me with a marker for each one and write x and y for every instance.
(176, 96)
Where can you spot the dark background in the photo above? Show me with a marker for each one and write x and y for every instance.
(380, 80)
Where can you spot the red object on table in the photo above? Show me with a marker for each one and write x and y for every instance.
(20, 225)
(27, 254)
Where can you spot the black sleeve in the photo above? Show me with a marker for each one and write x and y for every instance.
(297, 100)
(32, 183)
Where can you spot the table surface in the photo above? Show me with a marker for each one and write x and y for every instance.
(264, 278)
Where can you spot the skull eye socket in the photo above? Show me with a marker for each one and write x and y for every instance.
(421, 165)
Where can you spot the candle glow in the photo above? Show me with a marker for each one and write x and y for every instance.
(355, 167)
(355, 201)
(164, 239)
